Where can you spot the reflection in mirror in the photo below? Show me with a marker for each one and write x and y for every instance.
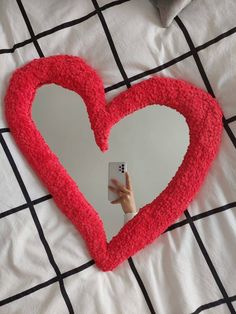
(153, 142)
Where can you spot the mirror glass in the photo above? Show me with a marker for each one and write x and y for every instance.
(153, 142)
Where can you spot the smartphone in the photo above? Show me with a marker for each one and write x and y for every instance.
(116, 170)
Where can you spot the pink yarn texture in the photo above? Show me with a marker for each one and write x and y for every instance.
(201, 111)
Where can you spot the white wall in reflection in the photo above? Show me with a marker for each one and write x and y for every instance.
(153, 141)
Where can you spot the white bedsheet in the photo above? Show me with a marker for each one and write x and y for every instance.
(44, 264)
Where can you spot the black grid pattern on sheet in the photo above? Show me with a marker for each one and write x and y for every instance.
(29, 204)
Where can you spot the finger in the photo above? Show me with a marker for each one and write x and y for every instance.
(116, 201)
(121, 193)
(128, 181)
(120, 186)
(112, 188)
(115, 190)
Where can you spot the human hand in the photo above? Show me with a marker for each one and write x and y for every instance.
(125, 193)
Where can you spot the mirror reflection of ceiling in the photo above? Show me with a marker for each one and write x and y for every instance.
(153, 142)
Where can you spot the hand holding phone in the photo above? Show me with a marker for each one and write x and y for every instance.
(123, 190)
(116, 170)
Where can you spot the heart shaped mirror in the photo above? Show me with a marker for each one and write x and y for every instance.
(137, 108)
(153, 142)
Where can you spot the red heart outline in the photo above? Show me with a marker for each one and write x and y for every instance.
(203, 115)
